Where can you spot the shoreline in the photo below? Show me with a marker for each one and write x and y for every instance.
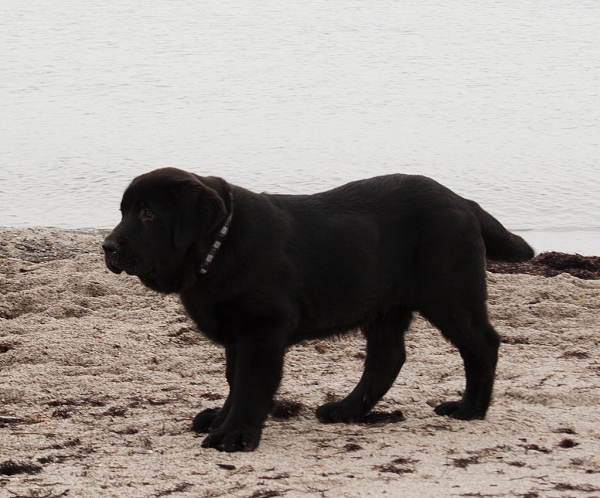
(101, 379)
(41, 244)
(577, 241)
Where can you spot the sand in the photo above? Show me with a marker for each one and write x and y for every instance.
(100, 379)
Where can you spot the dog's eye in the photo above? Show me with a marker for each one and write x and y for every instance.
(147, 214)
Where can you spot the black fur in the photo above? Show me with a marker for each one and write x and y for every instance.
(365, 255)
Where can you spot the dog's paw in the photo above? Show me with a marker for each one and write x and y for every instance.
(236, 439)
(337, 413)
(460, 410)
(203, 421)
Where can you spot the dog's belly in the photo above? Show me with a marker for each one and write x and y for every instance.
(349, 314)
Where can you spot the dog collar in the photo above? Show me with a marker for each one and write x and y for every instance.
(218, 240)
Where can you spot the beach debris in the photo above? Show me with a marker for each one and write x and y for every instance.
(379, 417)
(550, 264)
(286, 409)
(13, 467)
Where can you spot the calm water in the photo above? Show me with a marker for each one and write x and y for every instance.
(497, 100)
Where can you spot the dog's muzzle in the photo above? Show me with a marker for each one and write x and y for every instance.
(110, 250)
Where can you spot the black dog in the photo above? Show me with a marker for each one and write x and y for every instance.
(260, 272)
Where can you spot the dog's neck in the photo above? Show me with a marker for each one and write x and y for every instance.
(218, 239)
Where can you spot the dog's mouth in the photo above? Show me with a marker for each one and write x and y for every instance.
(112, 264)
(130, 266)
(120, 261)
(112, 267)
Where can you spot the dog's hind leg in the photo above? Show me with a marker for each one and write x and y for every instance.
(385, 357)
(469, 329)
(452, 294)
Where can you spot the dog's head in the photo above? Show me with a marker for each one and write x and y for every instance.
(164, 214)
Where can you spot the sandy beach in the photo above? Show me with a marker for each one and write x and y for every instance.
(100, 379)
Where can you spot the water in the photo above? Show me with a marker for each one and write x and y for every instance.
(497, 100)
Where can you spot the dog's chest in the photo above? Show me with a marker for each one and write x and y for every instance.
(212, 320)
(201, 309)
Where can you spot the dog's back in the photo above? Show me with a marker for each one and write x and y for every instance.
(363, 247)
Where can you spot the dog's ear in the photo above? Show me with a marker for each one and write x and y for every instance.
(200, 209)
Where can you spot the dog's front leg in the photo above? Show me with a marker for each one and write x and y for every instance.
(212, 418)
(256, 376)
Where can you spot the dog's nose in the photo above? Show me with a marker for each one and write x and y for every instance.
(109, 246)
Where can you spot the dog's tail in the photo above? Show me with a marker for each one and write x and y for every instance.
(500, 244)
